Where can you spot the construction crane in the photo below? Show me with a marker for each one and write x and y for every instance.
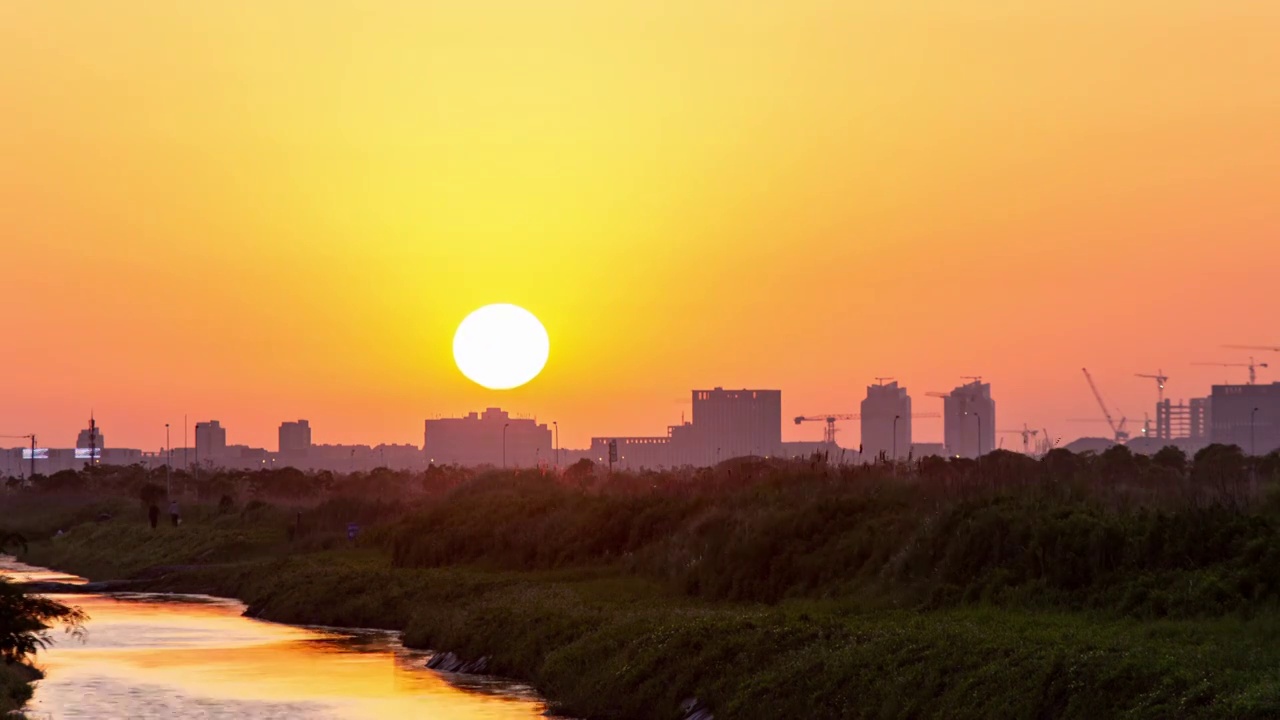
(32, 438)
(944, 396)
(1027, 435)
(881, 380)
(1049, 442)
(1160, 379)
(1253, 368)
(1120, 432)
(1265, 348)
(1123, 424)
(829, 434)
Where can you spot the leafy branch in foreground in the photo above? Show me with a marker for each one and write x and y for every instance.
(25, 619)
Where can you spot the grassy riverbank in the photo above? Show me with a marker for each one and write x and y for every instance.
(606, 644)
(799, 593)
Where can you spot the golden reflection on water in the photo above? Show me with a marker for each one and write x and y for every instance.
(152, 656)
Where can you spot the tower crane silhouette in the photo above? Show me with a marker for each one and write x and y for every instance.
(1252, 365)
(32, 438)
(1160, 379)
(1121, 434)
(829, 433)
(1027, 435)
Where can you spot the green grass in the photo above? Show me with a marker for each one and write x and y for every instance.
(607, 645)
(40, 516)
(123, 547)
(888, 543)
(804, 596)
(604, 643)
(638, 658)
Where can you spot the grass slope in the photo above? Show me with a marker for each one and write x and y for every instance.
(606, 644)
(1008, 590)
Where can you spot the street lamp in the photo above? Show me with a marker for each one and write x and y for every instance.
(896, 418)
(1253, 449)
(504, 445)
(979, 417)
(168, 458)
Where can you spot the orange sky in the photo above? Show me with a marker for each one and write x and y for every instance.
(255, 211)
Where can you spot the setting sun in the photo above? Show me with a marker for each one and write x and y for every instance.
(501, 346)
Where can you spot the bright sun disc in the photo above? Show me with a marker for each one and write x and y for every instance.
(501, 346)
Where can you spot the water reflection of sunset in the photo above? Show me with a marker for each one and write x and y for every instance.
(162, 654)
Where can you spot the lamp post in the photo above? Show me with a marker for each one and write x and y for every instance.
(979, 417)
(557, 426)
(168, 459)
(896, 418)
(1253, 449)
(504, 445)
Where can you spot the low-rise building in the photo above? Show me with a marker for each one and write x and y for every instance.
(493, 437)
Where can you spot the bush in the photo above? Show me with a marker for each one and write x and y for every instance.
(807, 534)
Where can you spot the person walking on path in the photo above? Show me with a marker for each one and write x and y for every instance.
(173, 512)
(153, 514)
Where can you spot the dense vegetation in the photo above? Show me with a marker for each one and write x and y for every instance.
(1070, 586)
(1154, 540)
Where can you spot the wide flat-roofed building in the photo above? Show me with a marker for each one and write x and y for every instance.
(478, 439)
(734, 423)
(1247, 416)
(725, 424)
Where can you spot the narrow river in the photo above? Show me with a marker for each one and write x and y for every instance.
(161, 656)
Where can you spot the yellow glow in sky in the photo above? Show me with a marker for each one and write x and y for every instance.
(253, 211)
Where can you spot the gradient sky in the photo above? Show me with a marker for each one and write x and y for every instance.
(257, 211)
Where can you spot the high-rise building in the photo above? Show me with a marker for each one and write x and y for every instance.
(969, 420)
(489, 438)
(1183, 421)
(90, 437)
(295, 438)
(211, 440)
(1247, 416)
(886, 422)
(1201, 418)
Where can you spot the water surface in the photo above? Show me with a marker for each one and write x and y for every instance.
(190, 656)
